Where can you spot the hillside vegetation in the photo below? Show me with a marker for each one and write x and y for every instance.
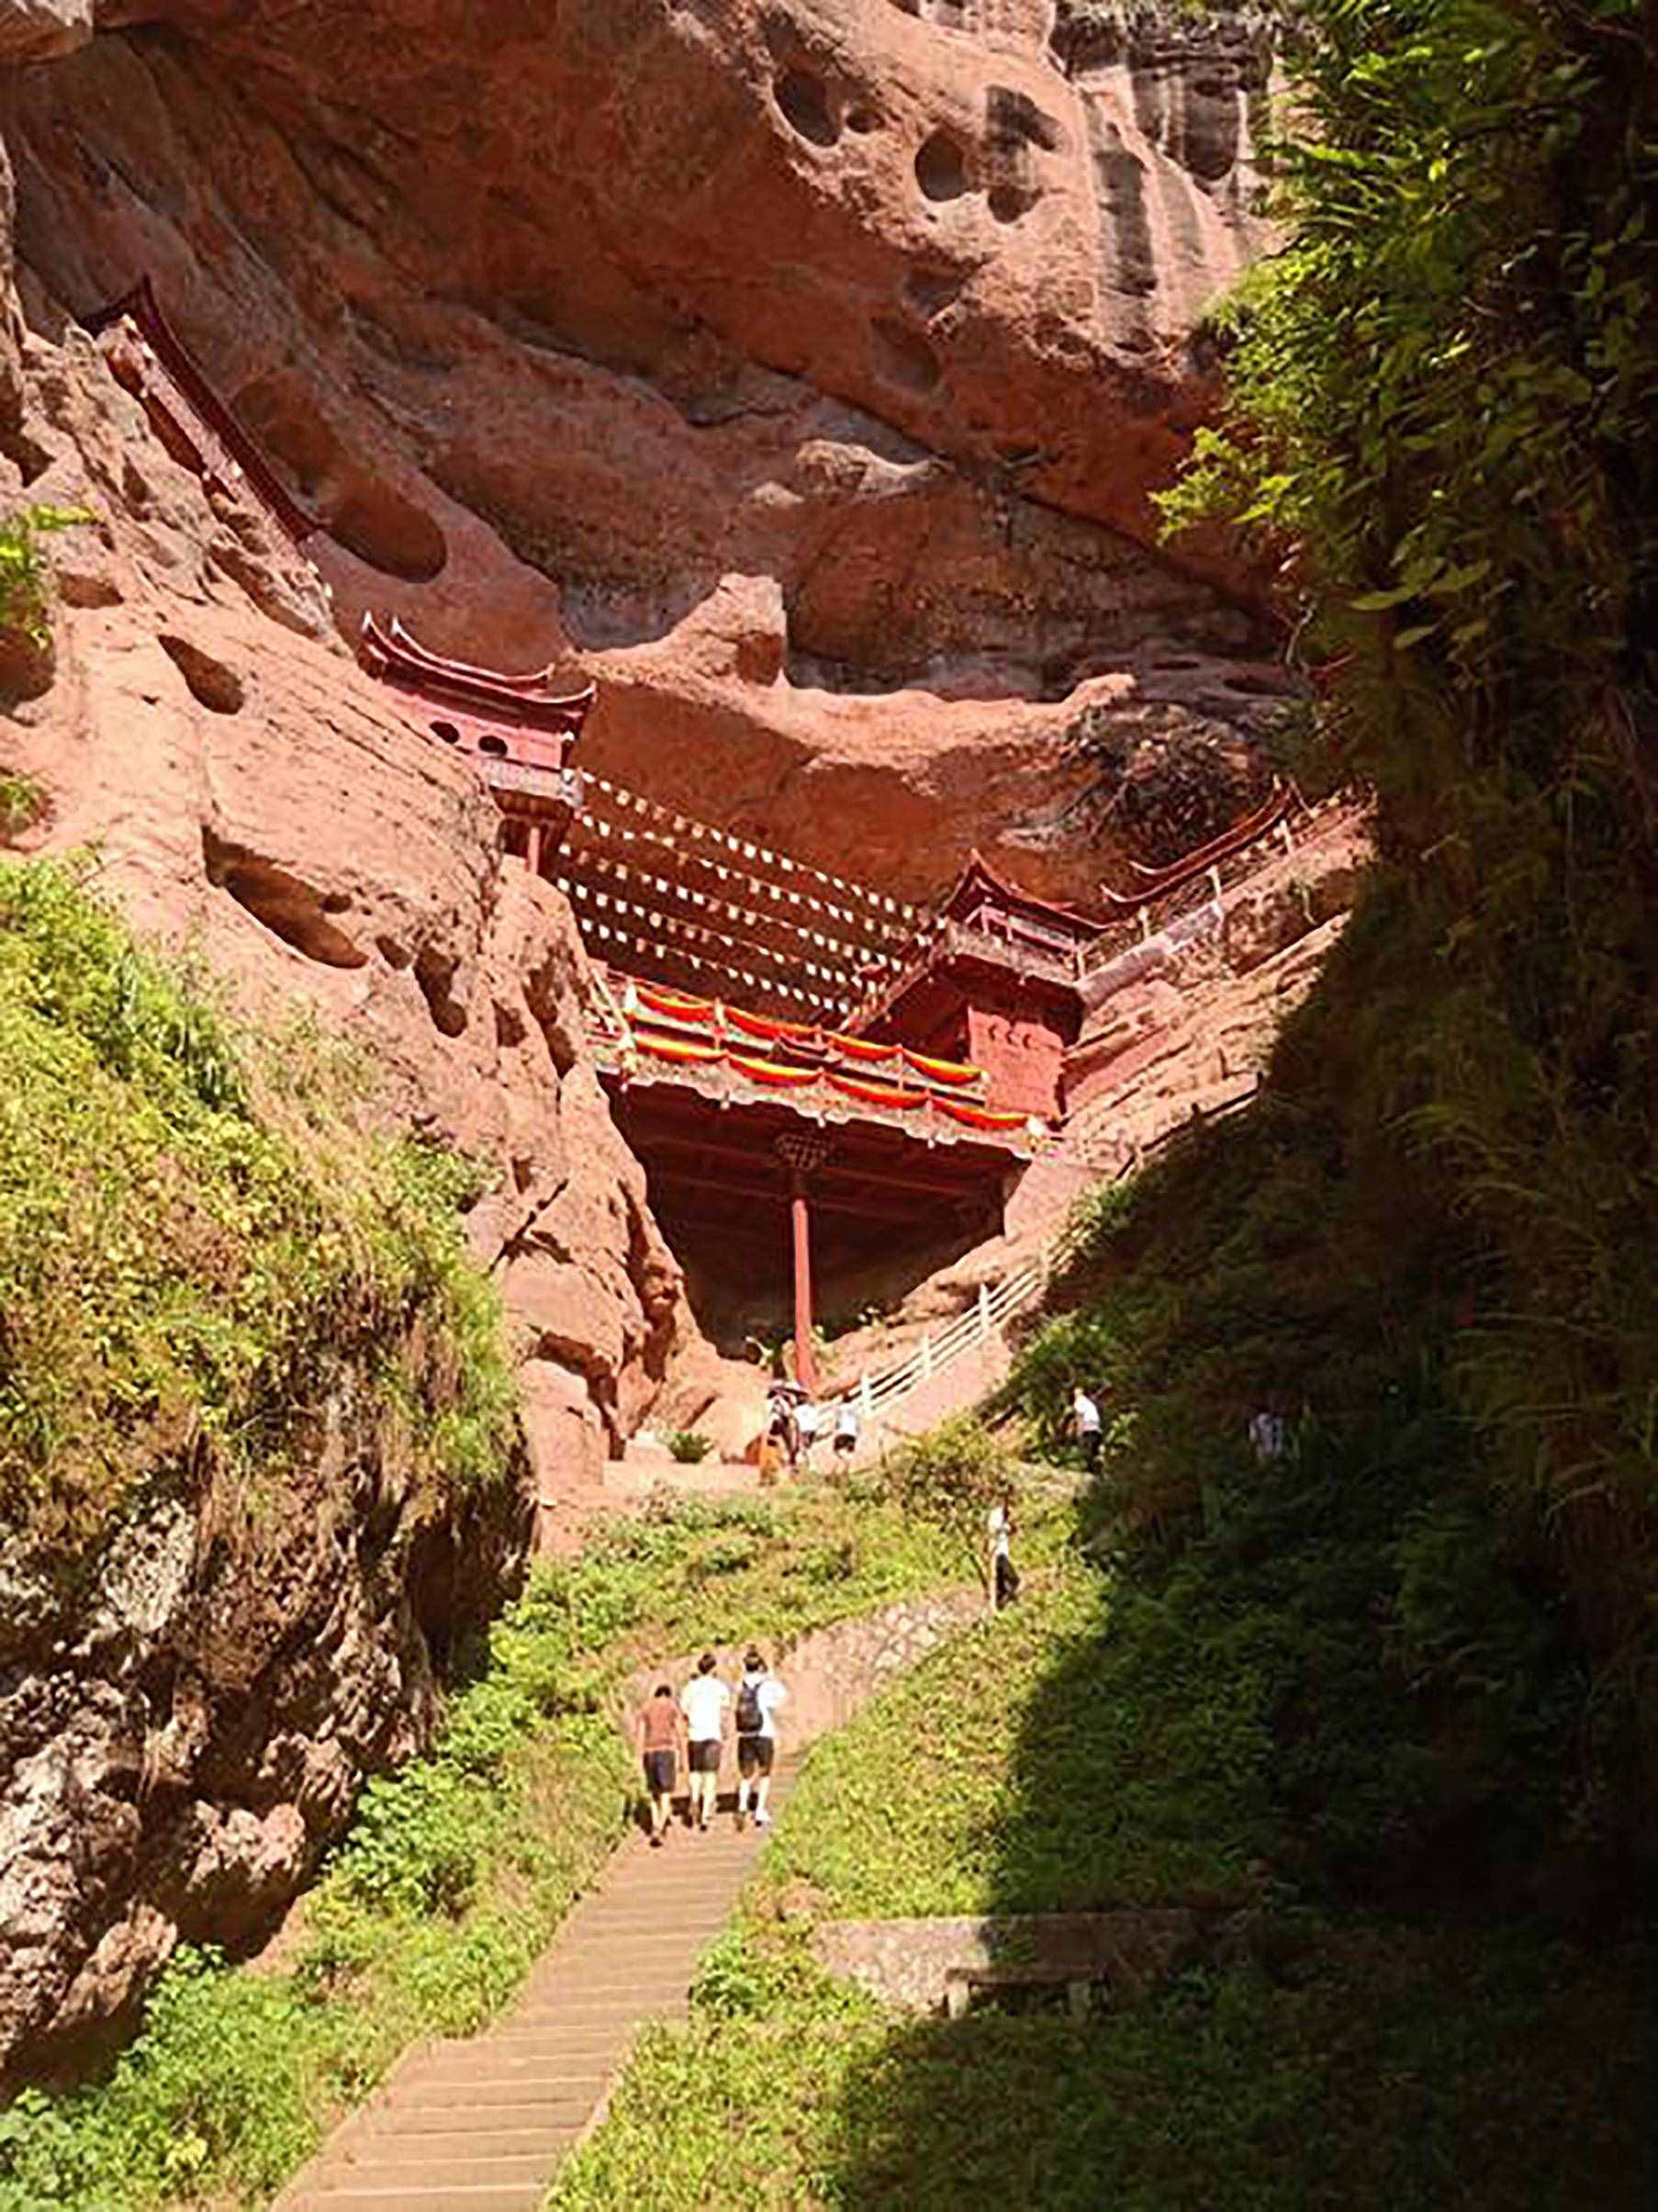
(1437, 1239)
(201, 1236)
(1102, 1744)
(457, 1868)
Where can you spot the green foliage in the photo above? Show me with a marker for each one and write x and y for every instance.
(199, 1243)
(1038, 1763)
(689, 1446)
(1118, 1737)
(22, 803)
(25, 572)
(1441, 397)
(457, 1868)
(948, 1480)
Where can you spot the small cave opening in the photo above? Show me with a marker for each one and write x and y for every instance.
(387, 531)
(211, 683)
(903, 357)
(290, 908)
(941, 168)
(803, 100)
(435, 973)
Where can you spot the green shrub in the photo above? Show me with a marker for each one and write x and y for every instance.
(688, 1446)
(25, 572)
(201, 1240)
(22, 802)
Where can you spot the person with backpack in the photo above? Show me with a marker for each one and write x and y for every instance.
(704, 1702)
(661, 1743)
(760, 1694)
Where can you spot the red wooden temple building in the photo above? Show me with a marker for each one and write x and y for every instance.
(809, 1069)
(519, 731)
(995, 978)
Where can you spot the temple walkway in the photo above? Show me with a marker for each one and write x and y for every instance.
(478, 2125)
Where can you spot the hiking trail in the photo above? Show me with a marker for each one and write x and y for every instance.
(479, 2123)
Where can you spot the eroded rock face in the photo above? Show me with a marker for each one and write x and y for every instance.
(182, 1737)
(183, 1733)
(803, 365)
(251, 789)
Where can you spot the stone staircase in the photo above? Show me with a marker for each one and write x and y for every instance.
(480, 2123)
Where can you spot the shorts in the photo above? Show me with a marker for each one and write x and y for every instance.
(754, 1754)
(661, 1769)
(705, 1755)
(843, 1443)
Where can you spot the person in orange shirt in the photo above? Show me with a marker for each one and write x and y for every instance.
(661, 1746)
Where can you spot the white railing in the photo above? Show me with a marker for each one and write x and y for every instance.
(879, 1396)
(996, 1306)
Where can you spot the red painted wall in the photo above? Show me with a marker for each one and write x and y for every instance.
(1023, 1054)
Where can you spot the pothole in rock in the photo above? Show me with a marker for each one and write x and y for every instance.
(1007, 203)
(211, 683)
(388, 532)
(903, 357)
(802, 99)
(435, 973)
(928, 290)
(941, 168)
(290, 908)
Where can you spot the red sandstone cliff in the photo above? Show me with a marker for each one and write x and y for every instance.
(805, 365)
(179, 1744)
(802, 367)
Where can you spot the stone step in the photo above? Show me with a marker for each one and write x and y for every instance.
(396, 2196)
(394, 2139)
(409, 2167)
(475, 2107)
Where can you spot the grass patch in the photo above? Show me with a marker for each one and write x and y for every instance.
(1403, 2073)
(458, 1868)
(1032, 1766)
(201, 1238)
(1096, 1743)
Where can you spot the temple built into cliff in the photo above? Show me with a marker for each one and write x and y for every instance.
(805, 1064)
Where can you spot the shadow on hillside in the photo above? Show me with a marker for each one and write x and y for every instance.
(1366, 2065)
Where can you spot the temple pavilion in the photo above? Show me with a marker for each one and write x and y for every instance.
(817, 1076)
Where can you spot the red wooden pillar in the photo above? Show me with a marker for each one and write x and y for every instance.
(805, 1362)
(800, 1155)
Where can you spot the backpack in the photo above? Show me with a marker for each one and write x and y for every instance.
(751, 1715)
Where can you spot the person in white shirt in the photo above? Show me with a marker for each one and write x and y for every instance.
(806, 1419)
(703, 1701)
(1086, 1425)
(1005, 1576)
(846, 1430)
(760, 1694)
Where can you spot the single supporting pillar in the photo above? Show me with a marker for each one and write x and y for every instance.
(866, 1397)
(984, 1310)
(533, 856)
(805, 1360)
(800, 1155)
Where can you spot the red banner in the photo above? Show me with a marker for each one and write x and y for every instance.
(942, 1070)
(762, 1025)
(879, 1095)
(671, 1003)
(772, 1072)
(676, 1048)
(979, 1118)
(857, 1048)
